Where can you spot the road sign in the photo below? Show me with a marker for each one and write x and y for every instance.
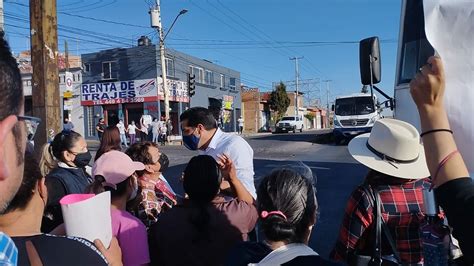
(68, 82)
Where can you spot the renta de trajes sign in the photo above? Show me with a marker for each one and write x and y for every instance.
(131, 91)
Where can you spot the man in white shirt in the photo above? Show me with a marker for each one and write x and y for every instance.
(200, 132)
(123, 137)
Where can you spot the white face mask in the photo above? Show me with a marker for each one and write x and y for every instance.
(135, 190)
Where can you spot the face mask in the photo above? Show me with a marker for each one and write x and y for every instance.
(191, 142)
(82, 159)
(164, 162)
(135, 190)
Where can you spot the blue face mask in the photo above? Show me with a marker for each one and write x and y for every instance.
(191, 142)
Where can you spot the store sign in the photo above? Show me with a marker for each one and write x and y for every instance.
(228, 102)
(68, 105)
(68, 78)
(178, 90)
(132, 91)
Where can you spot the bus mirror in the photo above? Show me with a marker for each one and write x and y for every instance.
(332, 107)
(369, 61)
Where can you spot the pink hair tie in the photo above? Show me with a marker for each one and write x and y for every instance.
(265, 214)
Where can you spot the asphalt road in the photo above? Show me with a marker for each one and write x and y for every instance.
(336, 175)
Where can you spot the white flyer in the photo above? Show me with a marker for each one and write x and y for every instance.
(88, 216)
(449, 26)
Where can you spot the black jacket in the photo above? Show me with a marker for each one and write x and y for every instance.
(457, 199)
(61, 182)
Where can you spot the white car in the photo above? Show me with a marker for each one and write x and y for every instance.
(289, 123)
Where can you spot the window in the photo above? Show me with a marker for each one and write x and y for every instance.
(108, 70)
(198, 73)
(87, 67)
(209, 78)
(73, 77)
(169, 67)
(416, 49)
(232, 84)
(222, 81)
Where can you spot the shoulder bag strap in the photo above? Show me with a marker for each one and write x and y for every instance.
(383, 227)
(377, 257)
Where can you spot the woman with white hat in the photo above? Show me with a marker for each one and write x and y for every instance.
(397, 176)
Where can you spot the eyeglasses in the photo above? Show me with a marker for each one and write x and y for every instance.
(32, 124)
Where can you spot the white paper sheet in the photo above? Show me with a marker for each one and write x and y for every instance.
(88, 216)
(449, 26)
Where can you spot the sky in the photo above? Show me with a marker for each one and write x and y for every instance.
(254, 37)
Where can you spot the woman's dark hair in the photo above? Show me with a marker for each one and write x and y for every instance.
(110, 141)
(138, 152)
(31, 176)
(202, 179)
(293, 194)
(64, 141)
(97, 187)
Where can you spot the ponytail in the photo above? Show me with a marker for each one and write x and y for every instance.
(47, 161)
(201, 219)
(96, 187)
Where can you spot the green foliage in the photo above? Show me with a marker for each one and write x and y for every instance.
(279, 100)
(309, 116)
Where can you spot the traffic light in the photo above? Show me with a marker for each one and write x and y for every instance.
(191, 85)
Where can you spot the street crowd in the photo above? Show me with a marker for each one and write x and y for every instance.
(223, 219)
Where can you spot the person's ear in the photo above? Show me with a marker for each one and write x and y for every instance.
(68, 156)
(6, 126)
(43, 190)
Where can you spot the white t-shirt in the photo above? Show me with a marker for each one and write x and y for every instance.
(163, 129)
(121, 128)
(132, 129)
(241, 122)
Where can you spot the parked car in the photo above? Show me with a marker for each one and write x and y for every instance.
(289, 123)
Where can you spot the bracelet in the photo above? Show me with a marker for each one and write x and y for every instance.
(436, 130)
(441, 164)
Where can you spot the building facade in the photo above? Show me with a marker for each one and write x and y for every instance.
(126, 83)
(69, 88)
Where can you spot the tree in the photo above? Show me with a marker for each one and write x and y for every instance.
(279, 100)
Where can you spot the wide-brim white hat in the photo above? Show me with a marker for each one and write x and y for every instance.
(393, 148)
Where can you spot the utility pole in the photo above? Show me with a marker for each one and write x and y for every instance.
(327, 101)
(66, 55)
(297, 74)
(1, 16)
(156, 23)
(44, 59)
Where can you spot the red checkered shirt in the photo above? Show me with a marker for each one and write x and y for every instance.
(402, 205)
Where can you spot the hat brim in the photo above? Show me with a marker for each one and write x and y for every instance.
(414, 170)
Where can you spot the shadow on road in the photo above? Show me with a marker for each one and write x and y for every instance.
(334, 183)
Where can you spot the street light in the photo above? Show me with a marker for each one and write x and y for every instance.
(182, 12)
(155, 15)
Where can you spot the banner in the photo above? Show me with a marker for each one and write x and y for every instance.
(178, 90)
(131, 91)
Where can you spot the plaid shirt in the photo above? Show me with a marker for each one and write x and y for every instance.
(401, 206)
(8, 251)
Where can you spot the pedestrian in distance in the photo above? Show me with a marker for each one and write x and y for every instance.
(202, 229)
(288, 208)
(100, 128)
(132, 131)
(454, 189)
(396, 179)
(200, 132)
(155, 129)
(163, 134)
(169, 129)
(110, 141)
(68, 125)
(157, 194)
(241, 125)
(122, 184)
(71, 176)
(123, 136)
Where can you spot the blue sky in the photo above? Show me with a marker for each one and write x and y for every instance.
(255, 37)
